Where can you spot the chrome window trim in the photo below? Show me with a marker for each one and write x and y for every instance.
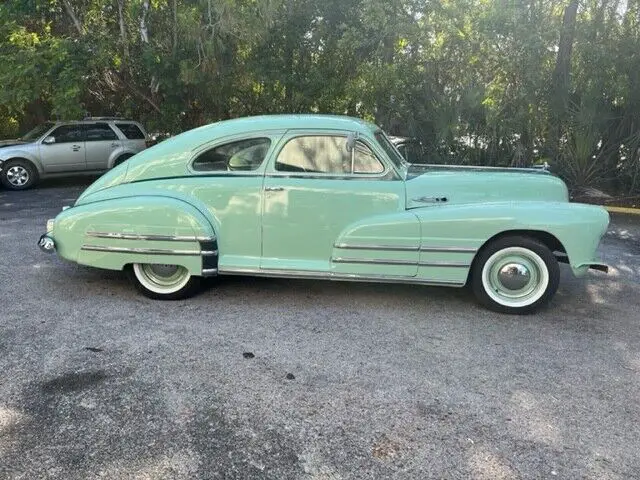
(160, 238)
(320, 275)
(147, 251)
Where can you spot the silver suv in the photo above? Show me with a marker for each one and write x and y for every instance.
(92, 145)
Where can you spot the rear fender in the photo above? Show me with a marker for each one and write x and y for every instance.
(147, 229)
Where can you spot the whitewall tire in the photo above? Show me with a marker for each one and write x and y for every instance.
(515, 274)
(163, 281)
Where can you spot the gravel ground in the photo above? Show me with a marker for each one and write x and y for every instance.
(260, 378)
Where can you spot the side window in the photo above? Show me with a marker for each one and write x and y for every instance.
(131, 131)
(68, 134)
(364, 161)
(97, 132)
(241, 155)
(315, 154)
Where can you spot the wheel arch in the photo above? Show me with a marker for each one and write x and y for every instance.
(548, 239)
(25, 158)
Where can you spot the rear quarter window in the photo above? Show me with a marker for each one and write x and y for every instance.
(131, 131)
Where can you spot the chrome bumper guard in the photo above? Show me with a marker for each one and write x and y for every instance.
(46, 244)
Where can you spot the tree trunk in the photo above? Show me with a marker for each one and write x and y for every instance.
(561, 80)
(174, 48)
(73, 17)
(144, 31)
(123, 30)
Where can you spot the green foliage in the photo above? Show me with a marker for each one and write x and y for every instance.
(475, 80)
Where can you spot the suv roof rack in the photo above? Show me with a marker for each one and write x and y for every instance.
(104, 118)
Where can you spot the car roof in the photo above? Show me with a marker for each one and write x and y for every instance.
(289, 121)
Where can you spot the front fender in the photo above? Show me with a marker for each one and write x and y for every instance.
(578, 227)
(21, 153)
(113, 233)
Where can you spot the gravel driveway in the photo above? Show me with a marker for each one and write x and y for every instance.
(260, 378)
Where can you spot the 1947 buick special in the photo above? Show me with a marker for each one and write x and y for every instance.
(325, 197)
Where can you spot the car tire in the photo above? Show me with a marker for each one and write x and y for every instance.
(18, 174)
(515, 275)
(163, 282)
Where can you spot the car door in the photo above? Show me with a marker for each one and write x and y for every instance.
(101, 143)
(312, 193)
(63, 149)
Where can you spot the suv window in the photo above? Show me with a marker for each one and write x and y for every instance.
(131, 131)
(326, 154)
(241, 155)
(68, 134)
(96, 132)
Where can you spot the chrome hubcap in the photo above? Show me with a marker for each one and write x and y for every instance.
(514, 276)
(17, 175)
(162, 278)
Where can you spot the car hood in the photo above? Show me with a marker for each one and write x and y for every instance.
(11, 143)
(429, 185)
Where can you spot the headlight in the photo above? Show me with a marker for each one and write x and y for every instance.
(50, 225)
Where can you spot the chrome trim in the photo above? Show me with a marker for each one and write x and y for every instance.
(449, 249)
(160, 238)
(444, 264)
(318, 275)
(400, 248)
(373, 261)
(206, 272)
(429, 199)
(389, 248)
(146, 251)
(46, 244)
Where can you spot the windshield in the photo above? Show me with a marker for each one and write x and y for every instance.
(37, 132)
(391, 151)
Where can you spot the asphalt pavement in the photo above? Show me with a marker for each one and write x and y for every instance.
(284, 379)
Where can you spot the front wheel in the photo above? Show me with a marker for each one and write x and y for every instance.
(515, 275)
(164, 282)
(18, 174)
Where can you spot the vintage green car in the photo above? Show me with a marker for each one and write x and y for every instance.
(325, 197)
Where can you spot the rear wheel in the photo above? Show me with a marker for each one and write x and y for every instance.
(164, 282)
(516, 275)
(18, 174)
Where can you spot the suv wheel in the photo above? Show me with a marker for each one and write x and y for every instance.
(18, 174)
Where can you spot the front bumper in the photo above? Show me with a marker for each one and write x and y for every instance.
(47, 244)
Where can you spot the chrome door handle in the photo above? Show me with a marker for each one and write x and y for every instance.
(75, 148)
(273, 189)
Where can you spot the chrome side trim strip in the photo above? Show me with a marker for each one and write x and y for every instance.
(167, 238)
(449, 249)
(389, 248)
(208, 272)
(375, 261)
(146, 251)
(316, 275)
(400, 248)
(444, 264)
